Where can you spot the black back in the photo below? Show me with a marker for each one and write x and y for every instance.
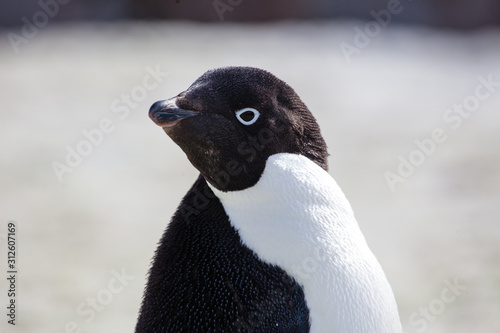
(204, 279)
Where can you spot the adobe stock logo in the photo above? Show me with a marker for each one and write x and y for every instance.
(372, 29)
(428, 314)
(48, 9)
(92, 306)
(454, 117)
(94, 137)
(221, 6)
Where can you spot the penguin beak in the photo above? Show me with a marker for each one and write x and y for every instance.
(167, 114)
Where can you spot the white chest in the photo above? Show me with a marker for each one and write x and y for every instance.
(297, 217)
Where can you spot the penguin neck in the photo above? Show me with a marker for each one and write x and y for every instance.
(296, 217)
(294, 199)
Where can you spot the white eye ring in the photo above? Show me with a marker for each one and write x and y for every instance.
(256, 116)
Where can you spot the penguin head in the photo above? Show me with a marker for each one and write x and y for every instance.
(231, 119)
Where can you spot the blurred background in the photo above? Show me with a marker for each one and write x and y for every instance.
(407, 94)
(456, 14)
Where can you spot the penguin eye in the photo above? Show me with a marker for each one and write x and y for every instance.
(247, 116)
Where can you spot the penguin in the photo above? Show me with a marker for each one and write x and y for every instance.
(264, 240)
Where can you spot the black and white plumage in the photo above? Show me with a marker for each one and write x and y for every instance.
(264, 241)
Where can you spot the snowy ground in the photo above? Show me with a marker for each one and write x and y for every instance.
(439, 227)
